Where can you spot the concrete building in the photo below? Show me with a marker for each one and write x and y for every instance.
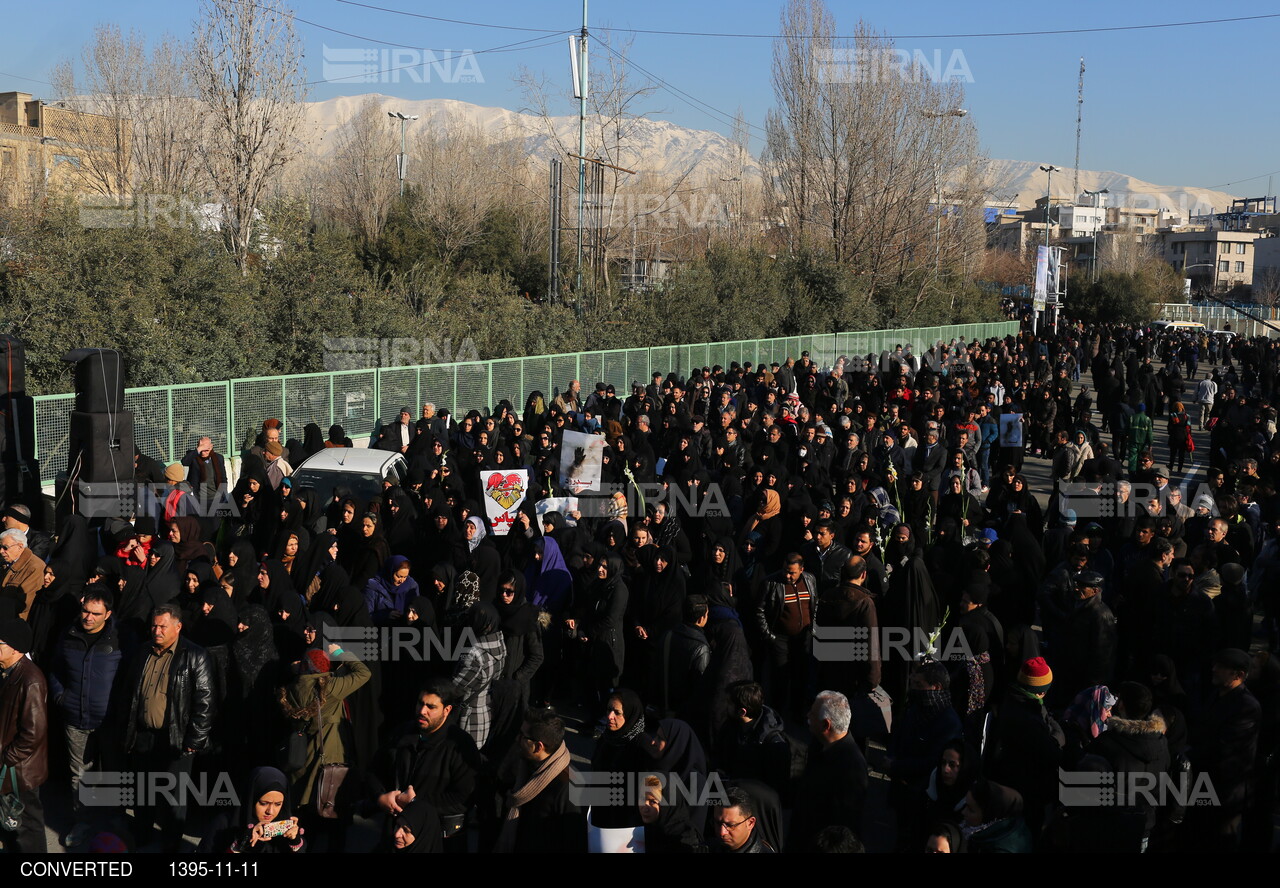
(44, 147)
(1224, 258)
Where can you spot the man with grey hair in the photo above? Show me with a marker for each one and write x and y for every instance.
(834, 785)
(18, 517)
(22, 570)
(640, 436)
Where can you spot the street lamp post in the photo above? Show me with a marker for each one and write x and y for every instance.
(1093, 258)
(937, 186)
(401, 158)
(1213, 265)
(1048, 199)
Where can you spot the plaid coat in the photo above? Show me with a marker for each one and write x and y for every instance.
(477, 669)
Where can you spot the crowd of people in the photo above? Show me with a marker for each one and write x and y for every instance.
(725, 611)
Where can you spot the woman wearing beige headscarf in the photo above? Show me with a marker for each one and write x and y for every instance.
(767, 521)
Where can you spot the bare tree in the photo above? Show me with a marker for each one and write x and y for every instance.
(140, 128)
(615, 116)
(865, 153)
(462, 176)
(361, 175)
(248, 73)
(95, 115)
(169, 126)
(1266, 286)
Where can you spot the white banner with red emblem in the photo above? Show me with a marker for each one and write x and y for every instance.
(504, 492)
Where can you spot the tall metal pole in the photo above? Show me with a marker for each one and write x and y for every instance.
(582, 139)
(1048, 199)
(403, 121)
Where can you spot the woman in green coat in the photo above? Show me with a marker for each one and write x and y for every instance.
(1140, 436)
(318, 686)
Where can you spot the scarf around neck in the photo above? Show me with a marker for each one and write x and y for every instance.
(547, 770)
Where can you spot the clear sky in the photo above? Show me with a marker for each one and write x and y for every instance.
(1192, 105)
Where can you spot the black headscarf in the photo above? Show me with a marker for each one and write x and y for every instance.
(422, 820)
(312, 439)
(519, 617)
(633, 724)
(254, 649)
(261, 782)
(245, 570)
(76, 548)
(162, 582)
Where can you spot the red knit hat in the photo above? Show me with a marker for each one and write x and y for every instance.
(1035, 673)
(318, 660)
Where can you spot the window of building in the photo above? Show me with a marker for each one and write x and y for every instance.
(1239, 268)
(1240, 248)
(6, 160)
(1224, 265)
(1224, 247)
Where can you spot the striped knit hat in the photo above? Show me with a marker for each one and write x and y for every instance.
(1036, 674)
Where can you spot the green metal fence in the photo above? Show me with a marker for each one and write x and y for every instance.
(169, 419)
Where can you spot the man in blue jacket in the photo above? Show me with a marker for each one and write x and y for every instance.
(83, 672)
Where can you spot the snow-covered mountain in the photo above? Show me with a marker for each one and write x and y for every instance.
(669, 150)
(1021, 182)
(655, 146)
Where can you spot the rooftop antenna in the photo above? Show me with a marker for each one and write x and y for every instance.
(1075, 182)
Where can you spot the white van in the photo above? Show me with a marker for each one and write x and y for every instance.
(1159, 327)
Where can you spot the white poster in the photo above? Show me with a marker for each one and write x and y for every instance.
(504, 492)
(1011, 430)
(581, 460)
(1042, 278)
(562, 504)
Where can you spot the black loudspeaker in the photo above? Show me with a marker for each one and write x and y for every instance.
(99, 378)
(20, 483)
(103, 499)
(13, 364)
(102, 444)
(18, 428)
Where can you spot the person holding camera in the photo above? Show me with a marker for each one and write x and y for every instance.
(264, 823)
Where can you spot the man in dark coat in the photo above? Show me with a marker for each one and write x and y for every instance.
(396, 436)
(851, 662)
(1025, 744)
(752, 743)
(834, 786)
(81, 678)
(1224, 745)
(931, 459)
(535, 779)
(681, 658)
(737, 829)
(864, 546)
(1183, 625)
(435, 759)
(170, 712)
(1090, 637)
(24, 734)
(825, 558)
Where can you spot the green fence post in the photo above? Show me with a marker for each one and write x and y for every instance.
(231, 440)
(169, 403)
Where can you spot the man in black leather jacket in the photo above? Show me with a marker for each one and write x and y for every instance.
(170, 711)
(735, 826)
